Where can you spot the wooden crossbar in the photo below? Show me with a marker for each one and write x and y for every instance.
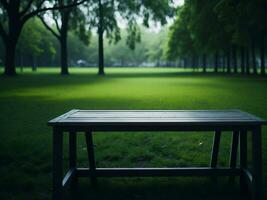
(161, 172)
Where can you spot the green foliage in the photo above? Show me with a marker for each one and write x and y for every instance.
(157, 45)
(130, 12)
(196, 30)
(134, 35)
(32, 43)
(243, 19)
(180, 39)
(209, 26)
(65, 20)
(151, 49)
(37, 41)
(78, 24)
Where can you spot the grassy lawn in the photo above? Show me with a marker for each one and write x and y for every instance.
(29, 100)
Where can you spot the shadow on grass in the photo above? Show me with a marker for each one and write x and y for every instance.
(155, 188)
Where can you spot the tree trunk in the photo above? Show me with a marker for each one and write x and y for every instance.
(242, 57)
(20, 59)
(63, 43)
(193, 62)
(100, 54)
(234, 59)
(262, 53)
(11, 40)
(253, 55)
(223, 62)
(204, 63)
(228, 61)
(197, 62)
(10, 49)
(64, 56)
(100, 41)
(34, 63)
(185, 63)
(216, 61)
(247, 61)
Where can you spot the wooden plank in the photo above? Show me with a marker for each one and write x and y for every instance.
(64, 116)
(57, 164)
(256, 164)
(248, 176)
(233, 154)
(147, 121)
(162, 172)
(142, 117)
(156, 127)
(159, 114)
(243, 161)
(215, 151)
(68, 177)
(91, 156)
(73, 155)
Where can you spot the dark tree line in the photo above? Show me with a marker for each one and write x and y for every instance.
(226, 35)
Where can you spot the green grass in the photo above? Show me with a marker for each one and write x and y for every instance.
(29, 100)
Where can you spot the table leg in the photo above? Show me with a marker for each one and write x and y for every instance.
(91, 156)
(57, 163)
(215, 151)
(73, 156)
(256, 164)
(243, 161)
(233, 155)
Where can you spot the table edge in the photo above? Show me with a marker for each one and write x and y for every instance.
(56, 121)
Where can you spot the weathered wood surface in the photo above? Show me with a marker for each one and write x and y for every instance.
(154, 117)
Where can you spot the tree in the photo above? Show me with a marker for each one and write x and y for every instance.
(246, 21)
(222, 28)
(32, 43)
(104, 15)
(13, 16)
(198, 25)
(158, 47)
(65, 19)
(181, 44)
(212, 40)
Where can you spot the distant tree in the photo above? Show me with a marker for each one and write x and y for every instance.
(212, 40)
(13, 15)
(221, 28)
(181, 44)
(246, 22)
(104, 15)
(39, 44)
(157, 49)
(64, 20)
(32, 43)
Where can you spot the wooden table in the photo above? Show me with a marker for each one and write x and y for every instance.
(218, 121)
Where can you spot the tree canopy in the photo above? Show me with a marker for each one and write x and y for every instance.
(222, 28)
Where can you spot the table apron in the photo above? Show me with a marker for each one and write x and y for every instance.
(199, 128)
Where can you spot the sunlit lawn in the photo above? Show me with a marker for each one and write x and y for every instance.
(29, 100)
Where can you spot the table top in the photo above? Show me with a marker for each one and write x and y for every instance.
(155, 117)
